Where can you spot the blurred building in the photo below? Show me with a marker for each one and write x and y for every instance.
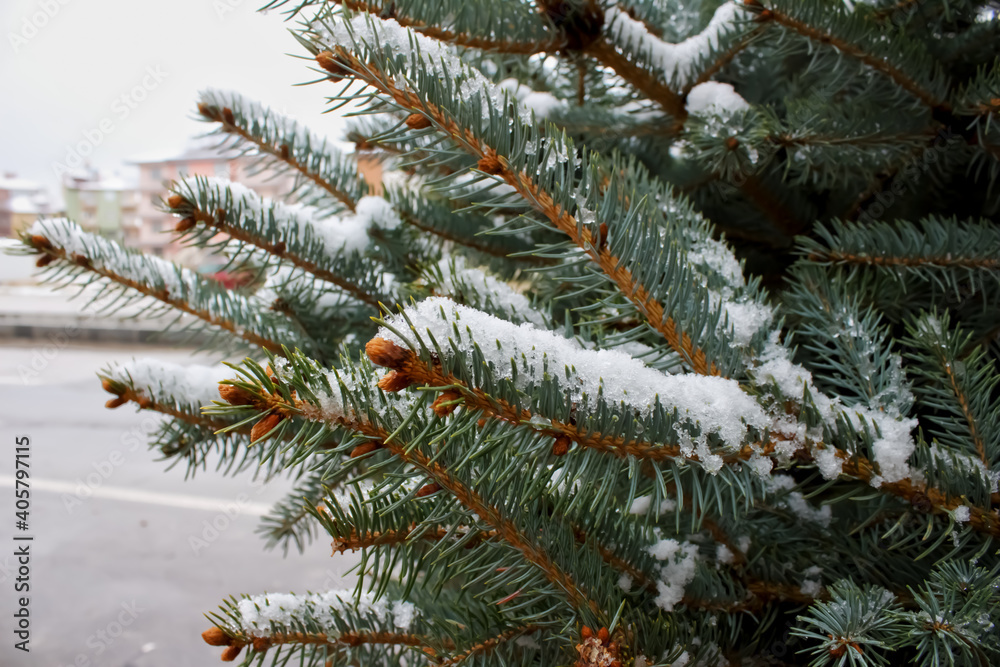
(100, 203)
(151, 233)
(23, 201)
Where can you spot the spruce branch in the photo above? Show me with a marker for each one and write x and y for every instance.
(326, 248)
(396, 11)
(850, 36)
(81, 253)
(491, 163)
(959, 382)
(260, 644)
(407, 366)
(468, 497)
(255, 126)
(643, 80)
(486, 646)
(933, 247)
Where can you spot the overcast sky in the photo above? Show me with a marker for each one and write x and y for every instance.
(88, 66)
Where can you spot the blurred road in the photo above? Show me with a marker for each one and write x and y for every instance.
(122, 576)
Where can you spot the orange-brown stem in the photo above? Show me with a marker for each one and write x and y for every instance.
(163, 295)
(581, 235)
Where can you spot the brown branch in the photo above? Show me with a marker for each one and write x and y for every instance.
(885, 12)
(145, 403)
(640, 78)
(943, 261)
(852, 50)
(761, 592)
(352, 638)
(486, 645)
(163, 295)
(355, 541)
(458, 39)
(280, 152)
(472, 243)
(861, 469)
(724, 59)
(581, 235)
(278, 250)
(505, 528)
(406, 364)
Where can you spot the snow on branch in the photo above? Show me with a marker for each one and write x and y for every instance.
(455, 278)
(676, 63)
(325, 245)
(192, 386)
(528, 357)
(339, 234)
(259, 129)
(262, 615)
(434, 59)
(172, 285)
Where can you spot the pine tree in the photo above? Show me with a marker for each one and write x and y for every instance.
(669, 339)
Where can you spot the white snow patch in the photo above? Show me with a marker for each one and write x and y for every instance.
(677, 62)
(678, 572)
(713, 97)
(162, 380)
(715, 404)
(288, 611)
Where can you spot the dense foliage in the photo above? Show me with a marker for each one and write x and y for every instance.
(684, 342)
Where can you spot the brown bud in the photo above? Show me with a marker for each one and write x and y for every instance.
(481, 423)
(586, 632)
(490, 165)
(214, 636)
(80, 260)
(444, 404)
(361, 450)
(205, 110)
(418, 121)
(40, 241)
(116, 403)
(235, 395)
(602, 236)
(231, 653)
(264, 426)
(561, 446)
(732, 143)
(428, 489)
(227, 115)
(279, 248)
(145, 402)
(394, 381)
(261, 644)
(109, 386)
(603, 635)
(44, 260)
(283, 151)
(184, 224)
(329, 62)
(176, 201)
(384, 352)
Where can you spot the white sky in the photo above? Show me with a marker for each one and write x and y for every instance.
(58, 84)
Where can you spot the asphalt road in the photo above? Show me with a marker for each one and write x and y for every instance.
(124, 560)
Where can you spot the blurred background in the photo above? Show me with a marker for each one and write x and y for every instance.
(96, 114)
